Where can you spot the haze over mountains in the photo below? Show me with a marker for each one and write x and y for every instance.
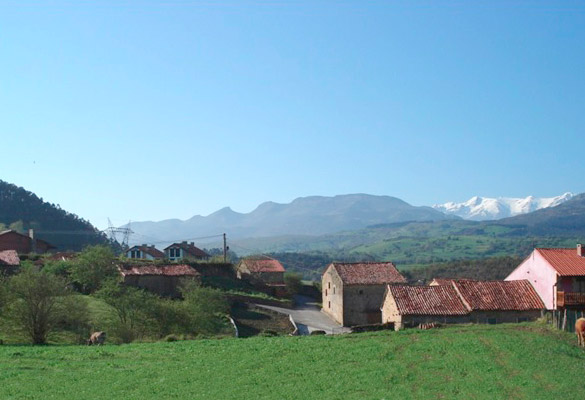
(315, 215)
(320, 215)
(486, 208)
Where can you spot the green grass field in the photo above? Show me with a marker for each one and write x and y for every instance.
(526, 361)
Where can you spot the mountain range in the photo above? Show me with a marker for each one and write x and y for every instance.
(487, 208)
(315, 215)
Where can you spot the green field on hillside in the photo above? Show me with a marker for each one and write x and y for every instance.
(524, 361)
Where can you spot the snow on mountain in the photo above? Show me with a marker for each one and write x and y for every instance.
(486, 208)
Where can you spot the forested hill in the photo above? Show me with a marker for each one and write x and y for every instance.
(21, 210)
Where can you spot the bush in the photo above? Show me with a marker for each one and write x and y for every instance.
(293, 282)
(204, 309)
(40, 304)
(93, 267)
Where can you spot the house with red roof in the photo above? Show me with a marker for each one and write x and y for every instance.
(9, 262)
(164, 280)
(23, 244)
(461, 301)
(557, 274)
(145, 252)
(352, 292)
(263, 271)
(185, 251)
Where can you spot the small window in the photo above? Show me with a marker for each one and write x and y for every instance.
(325, 292)
(492, 321)
(361, 291)
(329, 304)
(328, 285)
(333, 289)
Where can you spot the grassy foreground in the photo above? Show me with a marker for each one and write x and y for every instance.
(526, 361)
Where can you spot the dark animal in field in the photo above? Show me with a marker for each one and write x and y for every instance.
(428, 325)
(580, 331)
(97, 338)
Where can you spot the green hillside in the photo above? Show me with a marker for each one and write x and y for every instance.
(525, 361)
(21, 210)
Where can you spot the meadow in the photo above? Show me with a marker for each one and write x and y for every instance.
(516, 361)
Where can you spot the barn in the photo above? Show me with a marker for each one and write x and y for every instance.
(488, 302)
(352, 292)
(163, 280)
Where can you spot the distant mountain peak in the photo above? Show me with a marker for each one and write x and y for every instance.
(487, 208)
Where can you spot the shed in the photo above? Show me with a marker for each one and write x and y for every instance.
(161, 279)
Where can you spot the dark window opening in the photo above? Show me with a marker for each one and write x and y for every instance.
(360, 292)
(492, 321)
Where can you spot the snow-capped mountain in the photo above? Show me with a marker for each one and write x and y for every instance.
(485, 208)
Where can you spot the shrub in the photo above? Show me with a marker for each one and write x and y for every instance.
(93, 267)
(293, 282)
(40, 303)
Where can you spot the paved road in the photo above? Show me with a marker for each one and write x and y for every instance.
(308, 317)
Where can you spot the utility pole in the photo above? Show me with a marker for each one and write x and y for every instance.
(224, 250)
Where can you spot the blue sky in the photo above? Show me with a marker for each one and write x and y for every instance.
(151, 110)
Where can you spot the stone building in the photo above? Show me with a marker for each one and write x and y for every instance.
(263, 271)
(163, 280)
(352, 292)
(460, 301)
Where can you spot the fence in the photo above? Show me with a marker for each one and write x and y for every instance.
(564, 319)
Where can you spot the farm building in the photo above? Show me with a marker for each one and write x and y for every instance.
(488, 302)
(263, 271)
(185, 251)
(557, 274)
(23, 244)
(9, 262)
(145, 252)
(352, 292)
(163, 280)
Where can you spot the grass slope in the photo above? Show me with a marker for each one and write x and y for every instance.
(526, 361)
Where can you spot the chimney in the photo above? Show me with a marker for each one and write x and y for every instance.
(580, 250)
(33, 242)
(192, 243)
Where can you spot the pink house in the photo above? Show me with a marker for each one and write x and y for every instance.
(558, 276)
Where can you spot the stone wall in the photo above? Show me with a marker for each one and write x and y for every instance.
(332, 295)
(362, 304)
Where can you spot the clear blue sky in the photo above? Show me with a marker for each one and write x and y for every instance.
(147, 111)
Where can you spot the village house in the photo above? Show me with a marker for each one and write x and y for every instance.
(23, 244)
(163, 280)
(185, 251)
(352, 292)
(461, 301)
(557, 274)
(9, 262)
(264, 272)
(145, 252)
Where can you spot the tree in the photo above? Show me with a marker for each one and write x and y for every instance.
(38, 303)
(293, 282)
(94, 266)
(205, 308)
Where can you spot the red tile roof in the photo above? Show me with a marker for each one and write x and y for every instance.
(427, 300)
(565, 261)
(9, 257)
(160, 270)
(190, 249)
(499, 295)
(153, 251)
(441, 281)
(262, 264)
(368, 273)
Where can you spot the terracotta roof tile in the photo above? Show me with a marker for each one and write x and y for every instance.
(263, 264)
(427, 300)
(190, 249)
(153, 251)
(499, 295)
(368, 273)
(9, 257)
(565, 261)
(160, 270)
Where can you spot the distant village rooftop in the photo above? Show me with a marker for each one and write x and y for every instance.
(9, 257)
(256, 264)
